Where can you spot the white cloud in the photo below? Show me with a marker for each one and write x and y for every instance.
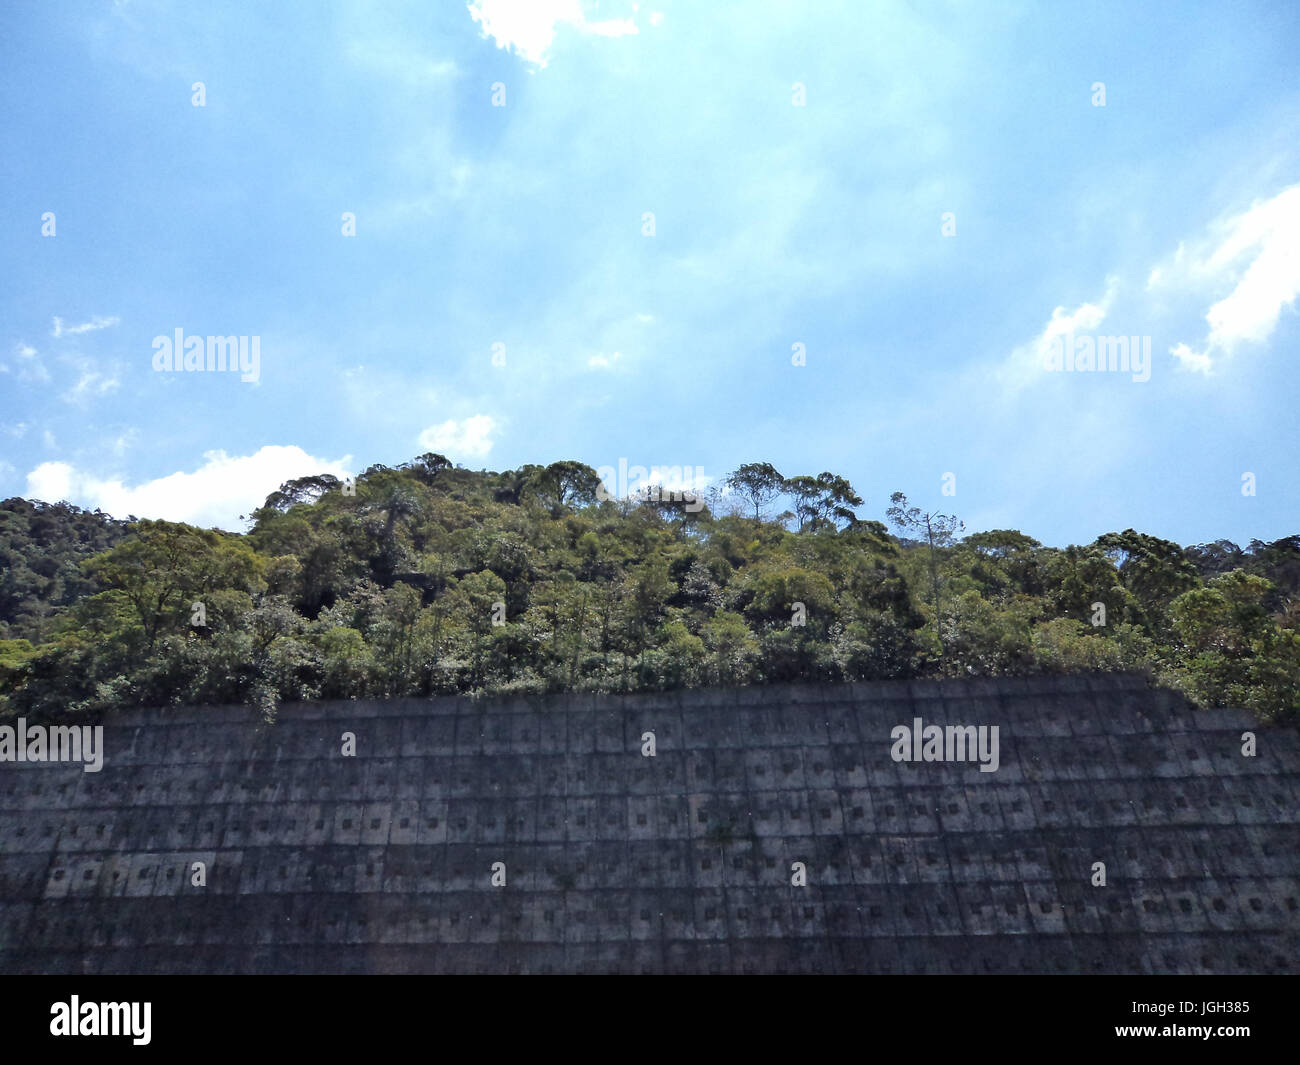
(1258, 254)
(18, 430)
(528, 26)
(603, 362)
(1188, 359)
(97, 322)
(1025, 363)
(1085, 316)
(677, 478)
(47, 438)
(30, 366)
(91, 383)
(51, 482)
(470, 437)
(215, 494)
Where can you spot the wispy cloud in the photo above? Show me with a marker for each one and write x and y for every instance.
(97, 322)
(375, 392)
(91, 383)
(29, 365)
(1025, 363)
(124, 441)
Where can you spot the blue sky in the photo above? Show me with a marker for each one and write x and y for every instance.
(927, 197)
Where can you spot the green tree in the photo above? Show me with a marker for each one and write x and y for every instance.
(563, 485)
(939, 532)
(733, 645)
(757, 482)
(164, 567)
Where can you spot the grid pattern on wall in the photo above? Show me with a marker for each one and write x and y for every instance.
(613, 861)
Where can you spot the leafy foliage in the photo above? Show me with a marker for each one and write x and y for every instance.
(431, 579)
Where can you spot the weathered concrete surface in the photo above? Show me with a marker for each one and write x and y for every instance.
(615, 862)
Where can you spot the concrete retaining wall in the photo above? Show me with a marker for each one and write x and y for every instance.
(616, 862)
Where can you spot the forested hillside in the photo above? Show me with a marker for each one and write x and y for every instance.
(430, 578)
(42, 546)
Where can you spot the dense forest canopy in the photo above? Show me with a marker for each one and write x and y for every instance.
(429, 578)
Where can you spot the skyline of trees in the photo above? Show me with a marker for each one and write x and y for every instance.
(430, 579)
